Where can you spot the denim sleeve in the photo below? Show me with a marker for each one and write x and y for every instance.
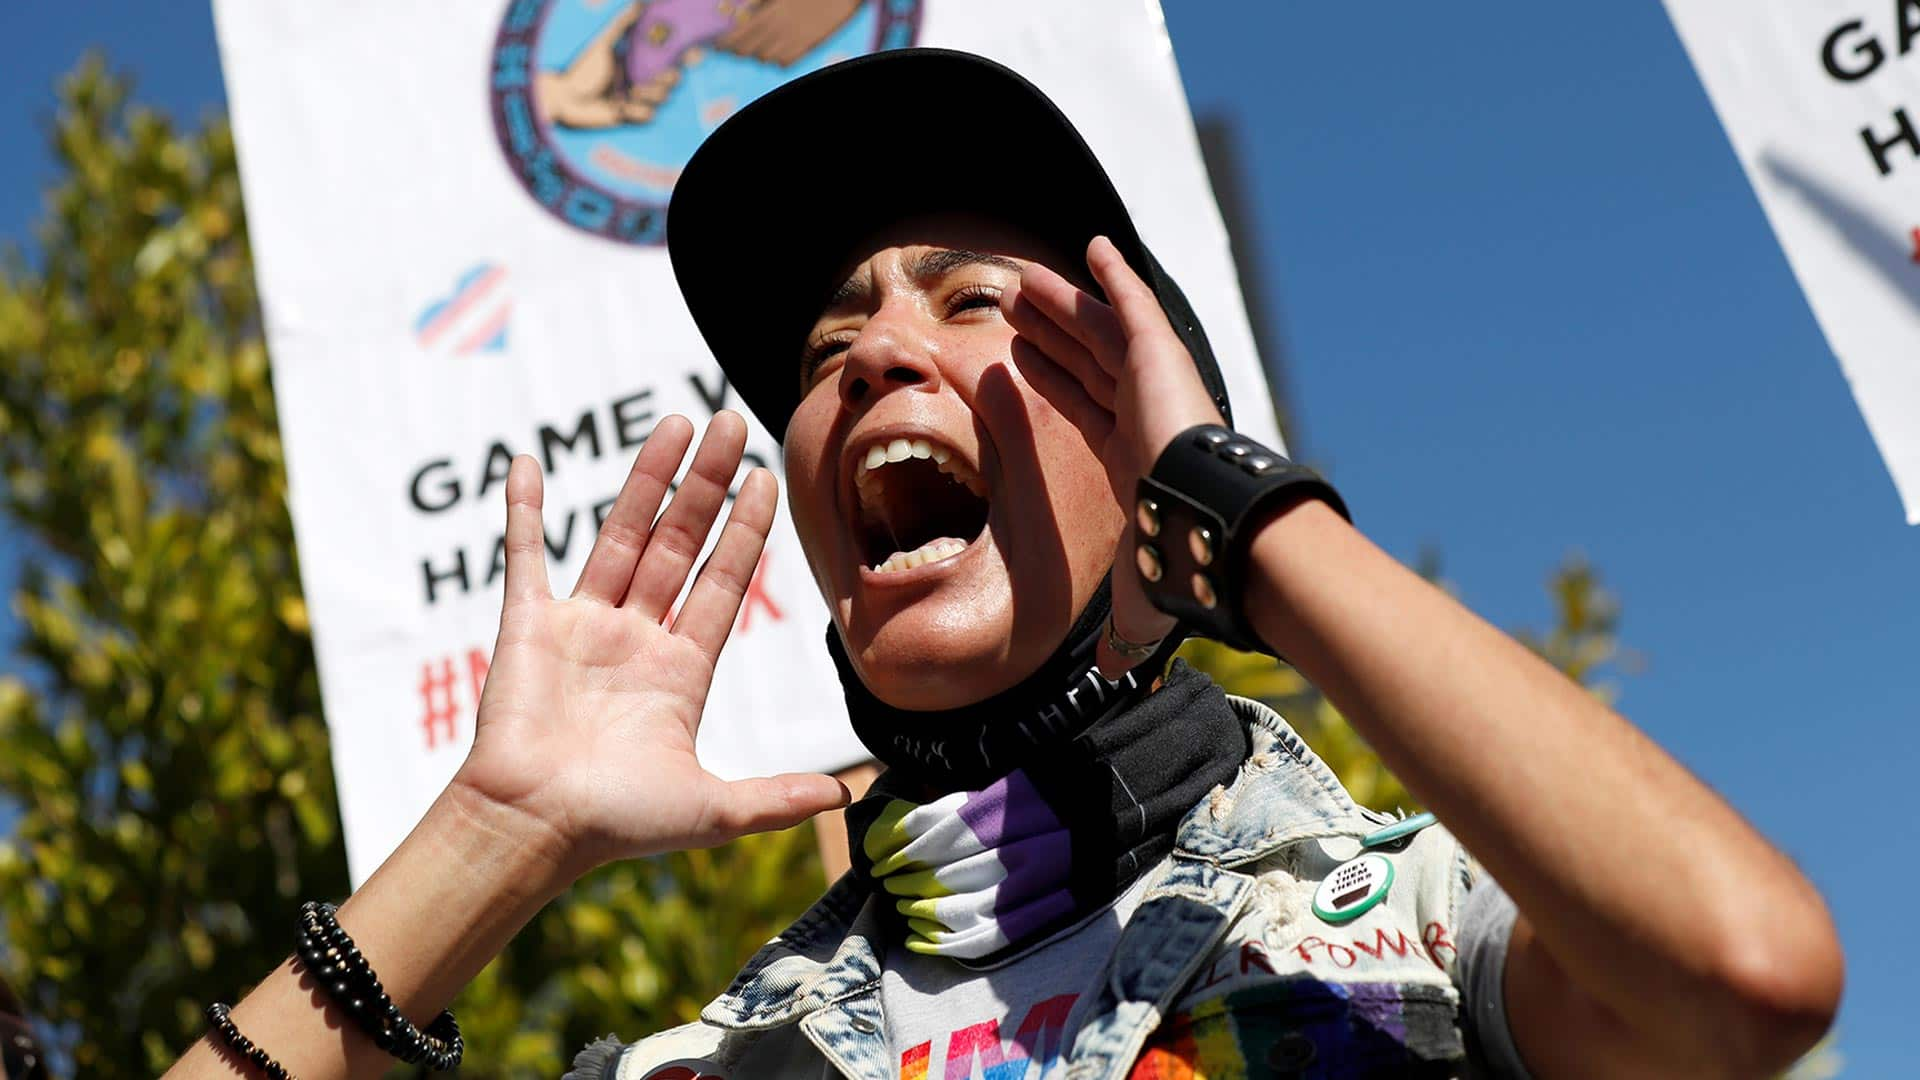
(1486, 928)
(598, 1061)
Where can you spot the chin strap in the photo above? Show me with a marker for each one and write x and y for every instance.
(973, 745)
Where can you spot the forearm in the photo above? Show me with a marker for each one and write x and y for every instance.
(448, 899)
(1649, 891)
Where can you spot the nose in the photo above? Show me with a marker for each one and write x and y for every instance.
(891, 352)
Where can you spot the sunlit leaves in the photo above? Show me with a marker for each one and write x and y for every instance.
(161, 739)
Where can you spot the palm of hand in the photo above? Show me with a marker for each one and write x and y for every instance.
(588, 721)
(1124, 378)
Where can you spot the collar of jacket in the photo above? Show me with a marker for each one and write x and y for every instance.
(1284, 794)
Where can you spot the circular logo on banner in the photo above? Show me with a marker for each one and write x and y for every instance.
(597, 105)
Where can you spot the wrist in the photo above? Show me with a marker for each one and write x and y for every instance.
(1197, 514)
(1290, 544)
(465, 880)
(534, 859)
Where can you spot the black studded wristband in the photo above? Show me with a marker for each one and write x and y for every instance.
(1190, 520)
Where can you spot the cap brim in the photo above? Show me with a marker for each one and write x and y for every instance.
(782, 190)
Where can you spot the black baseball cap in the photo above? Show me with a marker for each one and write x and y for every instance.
(762, 187)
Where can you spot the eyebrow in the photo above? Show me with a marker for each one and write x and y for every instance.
(933, 264)
(946, 260)
(850, 290)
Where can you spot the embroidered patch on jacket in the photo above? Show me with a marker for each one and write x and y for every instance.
(1306, 1028)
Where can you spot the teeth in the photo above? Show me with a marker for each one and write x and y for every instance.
(869, 484)
(929, 552)
(903, 449)
(959, 471)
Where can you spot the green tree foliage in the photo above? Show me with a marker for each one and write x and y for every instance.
(165, 750)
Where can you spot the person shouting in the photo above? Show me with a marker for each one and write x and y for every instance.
(1008, 459)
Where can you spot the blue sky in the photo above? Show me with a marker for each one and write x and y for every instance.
(1530, 307)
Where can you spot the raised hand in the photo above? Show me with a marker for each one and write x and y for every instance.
(589, 93)
(1120, 373)
(587, 722)
(782, 31)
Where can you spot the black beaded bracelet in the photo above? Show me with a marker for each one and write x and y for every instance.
(221, 1018)
(337, 964)
(1191, 521)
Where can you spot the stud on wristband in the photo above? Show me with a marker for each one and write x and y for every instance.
(1190, 517)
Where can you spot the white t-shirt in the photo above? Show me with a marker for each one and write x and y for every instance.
(1011, 1020)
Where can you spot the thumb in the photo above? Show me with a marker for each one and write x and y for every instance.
(766, 803)
(526, 546)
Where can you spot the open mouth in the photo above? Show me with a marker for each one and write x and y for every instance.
(918, 503)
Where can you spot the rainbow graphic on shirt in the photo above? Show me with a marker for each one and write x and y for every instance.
(976, 1052)
(975, 871)
(1306, 1028)
(1289, 1028)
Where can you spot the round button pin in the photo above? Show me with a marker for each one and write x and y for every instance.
(1399, 830)
(1353, 888)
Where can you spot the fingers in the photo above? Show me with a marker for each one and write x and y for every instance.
(774, 802)
(788, 49)
(655, 90)
(618, 25)
(1136, 305)
(588, 115)
(1065, 393)
(616, 551)
(1034, 324)
(682, 531)
(526, 534)
(749, 39)
(633, 112)
(707, 616)
(1081, 315)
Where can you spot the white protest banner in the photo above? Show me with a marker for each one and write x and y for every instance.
(1821, 99)
(457, 218)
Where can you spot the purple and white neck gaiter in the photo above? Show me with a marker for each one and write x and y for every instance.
(975, 871)
(996, 865)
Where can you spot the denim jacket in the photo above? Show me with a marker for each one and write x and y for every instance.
(1376, 995)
